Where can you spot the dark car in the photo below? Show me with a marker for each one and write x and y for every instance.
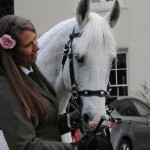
(132, 130)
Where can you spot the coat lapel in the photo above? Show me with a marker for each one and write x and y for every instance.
(42, 89)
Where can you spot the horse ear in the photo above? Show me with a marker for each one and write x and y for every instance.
(82, 11)
(113, 15)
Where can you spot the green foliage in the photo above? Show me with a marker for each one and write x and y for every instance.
(6, 7)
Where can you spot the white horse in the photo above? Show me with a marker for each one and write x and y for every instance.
(93, 53)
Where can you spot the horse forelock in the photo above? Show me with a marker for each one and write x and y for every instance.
(97, 36)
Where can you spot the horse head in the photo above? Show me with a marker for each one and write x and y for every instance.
(91, 50)
(93, 53)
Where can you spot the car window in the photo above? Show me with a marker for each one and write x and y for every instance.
(142, 108)
(125, 108)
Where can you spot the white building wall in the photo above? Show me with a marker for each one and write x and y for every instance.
(132, 31)
(44, 14)
(139, 43)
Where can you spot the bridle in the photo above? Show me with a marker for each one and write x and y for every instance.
(75, 99)
(76, 93)
(68, 52)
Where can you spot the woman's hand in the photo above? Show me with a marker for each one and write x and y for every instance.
(68, 121)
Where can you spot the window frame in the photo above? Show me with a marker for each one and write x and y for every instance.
(116, 76)
(105, 5)
(97, 1)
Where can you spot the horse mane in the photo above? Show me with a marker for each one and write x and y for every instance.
(96, 33)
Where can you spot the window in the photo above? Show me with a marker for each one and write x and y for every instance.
(142, 108)
(118, 76)
(125, 108)
(95, 1)
(105, 5)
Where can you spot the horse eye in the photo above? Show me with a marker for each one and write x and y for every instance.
(80, 59)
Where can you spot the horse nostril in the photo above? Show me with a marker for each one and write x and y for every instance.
(86, 118)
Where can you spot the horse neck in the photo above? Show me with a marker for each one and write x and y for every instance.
(50, 56)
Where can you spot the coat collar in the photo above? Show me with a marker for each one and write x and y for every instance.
(25, 70)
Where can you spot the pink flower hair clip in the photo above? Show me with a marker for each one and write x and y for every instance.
(7, 42)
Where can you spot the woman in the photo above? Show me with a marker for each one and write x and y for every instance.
(28, 104)
(28, 108)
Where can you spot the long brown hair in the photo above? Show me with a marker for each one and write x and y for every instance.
(32, 101)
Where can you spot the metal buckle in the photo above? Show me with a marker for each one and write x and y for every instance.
(75, 94)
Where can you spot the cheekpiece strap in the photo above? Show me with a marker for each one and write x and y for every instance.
(68, 46)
